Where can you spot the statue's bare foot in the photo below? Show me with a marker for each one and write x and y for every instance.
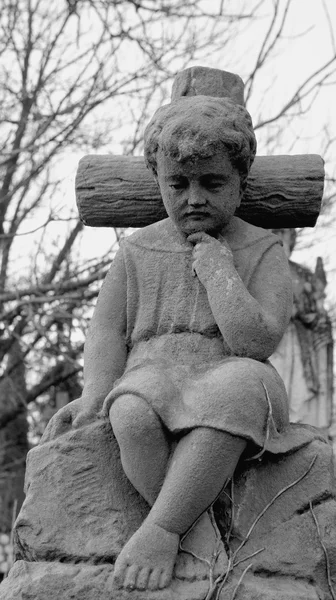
(204, 542)
(147, 560)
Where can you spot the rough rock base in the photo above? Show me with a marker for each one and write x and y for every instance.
(277, 519)
(52, 581)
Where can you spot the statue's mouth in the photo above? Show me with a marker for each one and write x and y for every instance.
(197, 213)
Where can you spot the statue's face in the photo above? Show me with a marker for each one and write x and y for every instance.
(200, 194)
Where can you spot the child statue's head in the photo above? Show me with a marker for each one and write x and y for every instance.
(198, 127)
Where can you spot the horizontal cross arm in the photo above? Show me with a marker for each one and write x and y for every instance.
(118, 191)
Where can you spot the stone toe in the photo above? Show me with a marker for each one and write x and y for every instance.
(154, 579)
(130, 577)
(142, 578)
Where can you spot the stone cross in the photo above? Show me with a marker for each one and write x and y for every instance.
(282, 191)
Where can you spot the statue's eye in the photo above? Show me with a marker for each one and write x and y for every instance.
(178, 185)
(213, 185)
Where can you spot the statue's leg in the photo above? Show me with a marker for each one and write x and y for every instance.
(202, 462)
(144, 448)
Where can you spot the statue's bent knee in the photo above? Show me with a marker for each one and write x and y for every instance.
(131, 416)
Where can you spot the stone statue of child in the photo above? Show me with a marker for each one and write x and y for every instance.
(188, 315)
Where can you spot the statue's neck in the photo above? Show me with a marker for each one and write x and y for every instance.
(225, 232)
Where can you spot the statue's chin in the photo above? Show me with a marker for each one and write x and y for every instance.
(200, 227)
(198, 224)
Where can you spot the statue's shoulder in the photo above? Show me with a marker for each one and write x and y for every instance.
(249, 245)
(244, 236)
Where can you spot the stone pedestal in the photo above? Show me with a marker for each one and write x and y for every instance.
(277, 518)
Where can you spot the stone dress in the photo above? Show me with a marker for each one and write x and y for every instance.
(178, 361)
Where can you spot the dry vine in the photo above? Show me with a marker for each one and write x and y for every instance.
(328, 569)
(217, 586)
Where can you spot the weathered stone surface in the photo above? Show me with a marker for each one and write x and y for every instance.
(79, 504)
(118, 191)
(258, 485)
(294, 549)
(273, 588)
(197, 81)
(59, 581)
(75, 513)
(283, 530)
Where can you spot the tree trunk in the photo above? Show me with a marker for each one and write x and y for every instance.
(13, 439)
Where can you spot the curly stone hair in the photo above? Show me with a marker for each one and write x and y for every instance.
(198, 127)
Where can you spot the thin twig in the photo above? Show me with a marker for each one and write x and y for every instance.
(240, 581)
(225, 493)
(232, 512)
(248, 556)
(330, 584)
(220, 583)
(192, 526)
(268, 425)
(330, 25)
(217, 549)
(210, 563)
(222, 579)
(213, 523)
(269, 504)
(190, 552)
(12, 534)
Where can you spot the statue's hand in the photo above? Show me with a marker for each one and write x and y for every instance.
(209, 255)
(76, 414)
(86, 411)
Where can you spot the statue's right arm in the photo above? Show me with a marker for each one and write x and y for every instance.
(105, 353)
(105, 349)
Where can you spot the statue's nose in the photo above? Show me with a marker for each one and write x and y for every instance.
(196, 196)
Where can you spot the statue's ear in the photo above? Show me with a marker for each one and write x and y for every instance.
(156, 179)
(241, 194)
